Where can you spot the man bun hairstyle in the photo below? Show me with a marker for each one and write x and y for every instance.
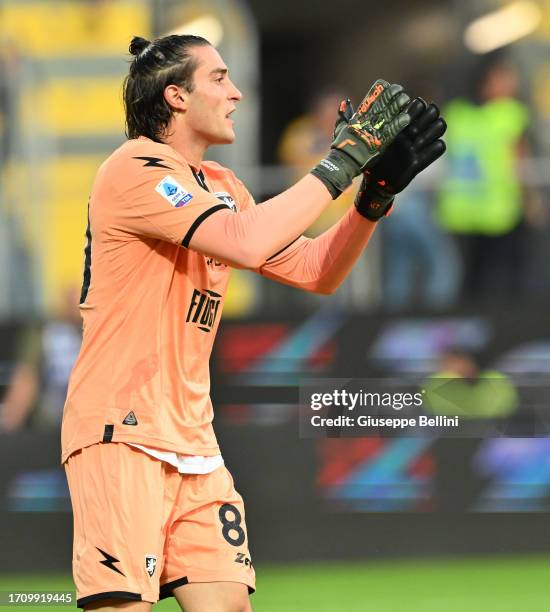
(138, 44)
(155, 65)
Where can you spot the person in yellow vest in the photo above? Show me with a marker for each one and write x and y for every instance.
(482, 200)
(460, 388)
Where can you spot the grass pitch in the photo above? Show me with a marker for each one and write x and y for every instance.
(489, 584)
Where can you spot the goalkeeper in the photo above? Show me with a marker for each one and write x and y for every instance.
(155, 510)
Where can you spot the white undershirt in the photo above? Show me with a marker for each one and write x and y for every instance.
(186, 464)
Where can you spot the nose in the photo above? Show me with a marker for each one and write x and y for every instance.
(234, 93)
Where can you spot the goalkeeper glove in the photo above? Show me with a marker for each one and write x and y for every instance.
(414, 149)
(363, 136)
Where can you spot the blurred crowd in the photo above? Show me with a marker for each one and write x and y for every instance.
(37, 385)
(463, 231)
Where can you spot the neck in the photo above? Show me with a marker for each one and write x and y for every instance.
(188, 144)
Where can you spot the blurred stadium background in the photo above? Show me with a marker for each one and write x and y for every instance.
(461, 267)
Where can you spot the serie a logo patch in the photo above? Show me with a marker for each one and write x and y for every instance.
(173, 192)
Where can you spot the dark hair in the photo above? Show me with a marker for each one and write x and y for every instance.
(157, 64)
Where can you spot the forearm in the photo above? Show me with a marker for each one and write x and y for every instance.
(247, 239)
(321, 264)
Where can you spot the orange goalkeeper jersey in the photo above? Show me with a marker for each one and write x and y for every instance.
(150, 306)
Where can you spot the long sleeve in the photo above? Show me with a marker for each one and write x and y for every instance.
(321, 264)
(249, 238)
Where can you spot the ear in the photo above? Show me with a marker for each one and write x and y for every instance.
(176, 97)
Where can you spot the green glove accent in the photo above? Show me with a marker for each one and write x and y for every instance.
(361, 138)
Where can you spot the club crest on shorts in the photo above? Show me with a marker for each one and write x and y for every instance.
(226, 199)
(150, 564)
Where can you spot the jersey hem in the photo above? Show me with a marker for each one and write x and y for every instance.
(158, 443)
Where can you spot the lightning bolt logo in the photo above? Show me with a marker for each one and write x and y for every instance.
(154, 162)
(109, 560)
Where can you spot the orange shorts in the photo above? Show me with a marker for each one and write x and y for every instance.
(141, 528)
